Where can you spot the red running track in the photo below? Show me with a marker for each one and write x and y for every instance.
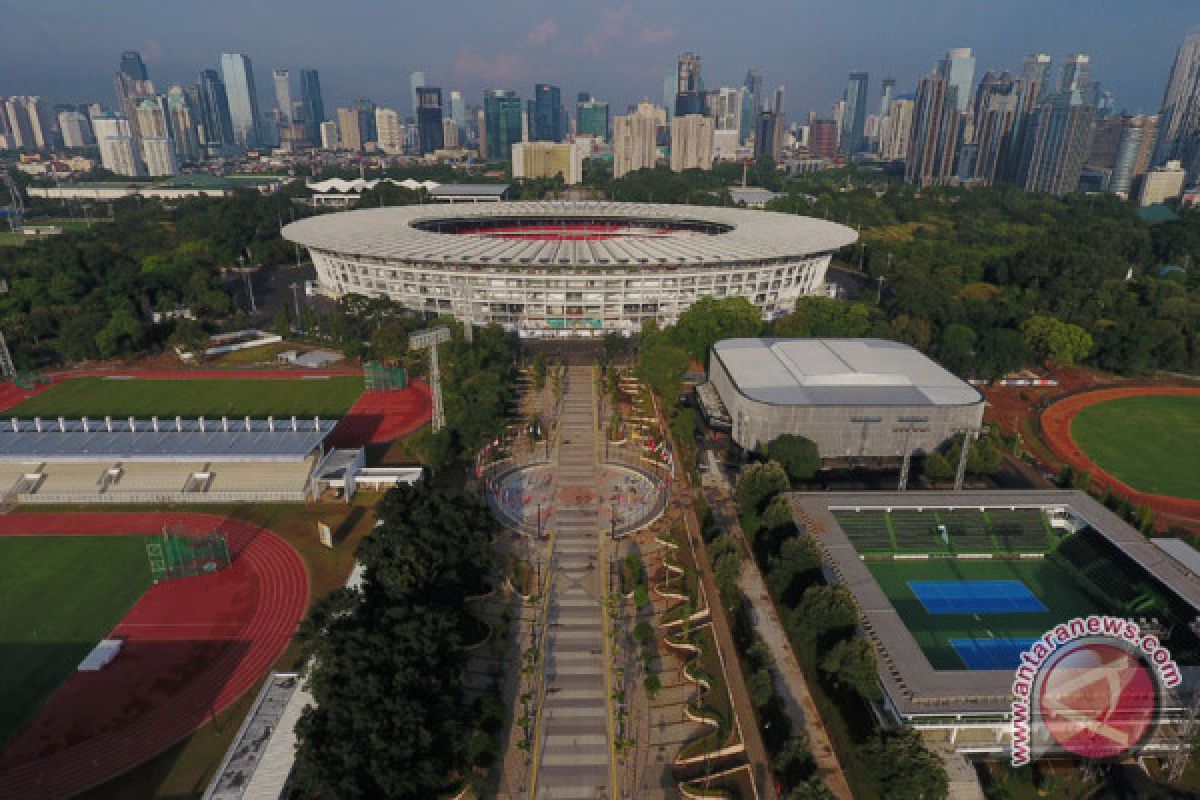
(374, 418)
(1056, 425)
(192, 647)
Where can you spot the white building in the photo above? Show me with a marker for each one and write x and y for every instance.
(329, 135)
(894, 130)
(691, 142)
(115, 138)
(450, 137)
(547, 159)
(75, 129)
(634, 138)
(158, 149)
(390, 130)
(19, 132)
(1162, 183)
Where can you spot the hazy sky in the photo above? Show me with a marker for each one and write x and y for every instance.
(67, 50)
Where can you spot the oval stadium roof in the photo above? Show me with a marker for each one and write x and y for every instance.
(389, 233)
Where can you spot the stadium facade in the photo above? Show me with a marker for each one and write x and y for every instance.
(861, 401)
(569, 269)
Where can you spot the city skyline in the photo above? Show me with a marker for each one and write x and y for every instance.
(617, 52)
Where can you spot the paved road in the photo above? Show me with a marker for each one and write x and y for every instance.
(574, 758)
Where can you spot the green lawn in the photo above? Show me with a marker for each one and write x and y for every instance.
(1150, 443)
(97, 396)
(1057, 590)
(59, 595)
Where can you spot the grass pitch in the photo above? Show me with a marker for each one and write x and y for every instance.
(1151, 443)
(59, 596)
(1057, 590)
(96, 396)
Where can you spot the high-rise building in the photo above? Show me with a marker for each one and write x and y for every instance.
(41, 132)
(415, 81)
(181, 122)
(312, 107)
(158, 149)
(1074, 75)
(329, 135)
(547, 122)
(458, 113)
(450, 134)
(1162, 183)
(1056, 144)
(283, 94)
(1035, 77)
(429, 118)
(958, 68)
(823, 138)
(933, 140)
(548, 159)
(670, 82)
(726, 106)
(768, 135)
(74, 128)
(591, 117)
(779, 109)
(217, 127)
(996, 114)
(689, 89)
(242, 95)
(349, 131)
(502, 115)
(856, 112)
(895, 129)
(390, 130)
(115, 138)
(635, 139)
(887, 90)
(1179, 117)
(691, 142)
(132, 84)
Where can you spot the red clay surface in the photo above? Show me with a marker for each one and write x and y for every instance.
(1056, 427)
(374, 418)
(192, 647)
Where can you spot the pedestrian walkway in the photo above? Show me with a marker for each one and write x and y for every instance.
(573, 747)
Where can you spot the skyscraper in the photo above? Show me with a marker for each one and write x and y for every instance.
(823, 138)
(115, 139)
(238, 74)
(415, 81)
(458, 113)
(73, 126)
(283, 94)
(1179, 117)
(312, 108)
(670, 81)
(429, 118)
(996, 112)
(856, 113)
(390, 130)
(591, 117)
(349, 130)
(1056, 144)
(132, 84)
(547, 122)
(158, 150)
(933, 140)
(895, 129)
(689, 98)
(887, 90)
(958, 68)
(133, 67)
(691, 142)
(182, 124)
(634, 139)
(768, 135)
(502, 120)
(1074, 75)
(217, 127)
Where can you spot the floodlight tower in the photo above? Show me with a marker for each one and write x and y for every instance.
(7, 370)
(431, 339)
(16, 215)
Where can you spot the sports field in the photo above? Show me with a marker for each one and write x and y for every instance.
(59, 595)
(1151, 443)
(96, 396)
(984, 620)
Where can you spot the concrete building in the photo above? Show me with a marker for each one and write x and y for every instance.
(349, 132)
(856, 110)
(1056, 144)
(1162, 183)
(544, 159)
(390, 130)
(75, 129)
(115, 138)
(429, 119)
(862, 401)
(895, 128)
(564, 269)
(158, 149)
(502, 123)
(451, 133)
(634, 139)
(727, 145)
(242, 96)
(329, 135)
(692, 145)
(1179, 117)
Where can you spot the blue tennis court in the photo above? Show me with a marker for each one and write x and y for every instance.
(976, 597)
(991, 653)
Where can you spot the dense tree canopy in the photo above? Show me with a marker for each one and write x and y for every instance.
(388, 658)
(798, 456)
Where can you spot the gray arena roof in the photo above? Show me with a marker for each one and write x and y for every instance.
(835, 372)
(137, 440)
(388, 233)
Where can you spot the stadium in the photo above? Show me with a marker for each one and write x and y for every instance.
(862, 401)
(569, 269)
(952, 586)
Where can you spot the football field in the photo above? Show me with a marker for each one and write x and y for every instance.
(59, 596)
(96, 396)
(1151, 443)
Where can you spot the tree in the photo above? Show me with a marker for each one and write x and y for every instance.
(797, 455)
(794, 763)
(758, 483)
(938, 467)
(903, 768)
(827, 609)
(850, 664)
(793, 569)
(957, 347)
(1060, 342)
(281, 324)
(708, 320)
(824, 316)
